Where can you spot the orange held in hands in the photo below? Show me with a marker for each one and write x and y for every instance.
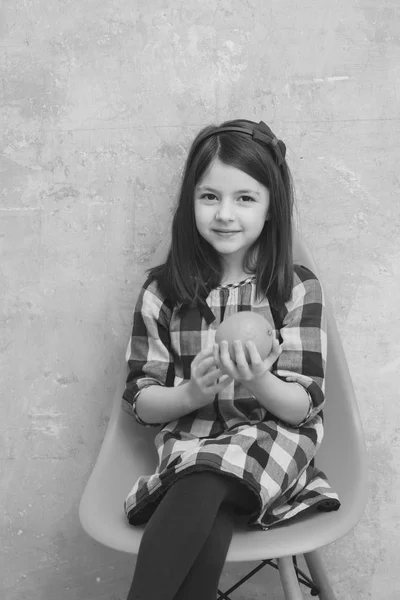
(246, 325)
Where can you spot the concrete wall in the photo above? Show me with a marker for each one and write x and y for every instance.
(100, 100)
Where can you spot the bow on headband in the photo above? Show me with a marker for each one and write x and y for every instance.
(261, 133)
(264, 134)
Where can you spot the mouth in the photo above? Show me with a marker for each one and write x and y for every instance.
(225, 234)
(226, 231)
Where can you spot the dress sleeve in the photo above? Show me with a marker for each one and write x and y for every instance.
(304, 340)
(149, 355)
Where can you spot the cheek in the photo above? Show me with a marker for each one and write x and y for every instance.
(197, 215)
(202, 217)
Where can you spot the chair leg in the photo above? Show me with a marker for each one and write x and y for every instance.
(318, 575)
(289, 579)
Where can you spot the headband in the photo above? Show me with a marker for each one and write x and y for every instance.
(261, 133)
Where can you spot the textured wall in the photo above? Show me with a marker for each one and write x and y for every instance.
(100, 100)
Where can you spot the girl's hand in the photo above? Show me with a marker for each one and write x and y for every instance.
(243, 371)
(204, 381)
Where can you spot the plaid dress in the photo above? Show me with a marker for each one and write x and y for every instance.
(233, 435)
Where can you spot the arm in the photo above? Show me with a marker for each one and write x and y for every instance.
(150, 382)
(303, 356)
(287, 401)
(157, 404)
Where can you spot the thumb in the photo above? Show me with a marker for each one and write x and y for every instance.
(225, 379)
(276, 348)
(276, 351)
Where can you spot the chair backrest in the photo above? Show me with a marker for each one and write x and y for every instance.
(128, 451)
(343, 441)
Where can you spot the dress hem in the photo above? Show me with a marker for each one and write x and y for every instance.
(144, 509)
(142, 512)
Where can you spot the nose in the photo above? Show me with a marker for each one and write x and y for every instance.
(225, 212)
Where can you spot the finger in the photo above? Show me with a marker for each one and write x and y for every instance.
(202, 368)
(240, 357)
(199, 357)
(255, 357)
(224, 382)
(226, 362)
(225, 357)
(276, 347)
(216, 354)
(206, 352)
(212, 376)
(274, 354)
(205, 366)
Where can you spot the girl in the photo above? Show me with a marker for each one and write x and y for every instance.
(237, 438)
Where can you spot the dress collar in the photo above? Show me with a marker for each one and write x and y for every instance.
(202, 305)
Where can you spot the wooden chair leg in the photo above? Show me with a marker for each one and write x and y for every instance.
(318, 575)
(289, 579)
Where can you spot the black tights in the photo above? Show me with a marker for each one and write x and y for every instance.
(185, 542)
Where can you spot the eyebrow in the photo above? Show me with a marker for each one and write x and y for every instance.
(203, 188)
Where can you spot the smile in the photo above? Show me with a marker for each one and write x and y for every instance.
(225, 233)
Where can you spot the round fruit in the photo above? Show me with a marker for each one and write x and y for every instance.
(246, 325)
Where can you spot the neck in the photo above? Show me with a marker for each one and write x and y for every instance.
(234, 277)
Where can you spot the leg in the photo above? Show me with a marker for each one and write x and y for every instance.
(203, 578)
(176, 533)
(202, 581)
(318, 575)
(289, 579)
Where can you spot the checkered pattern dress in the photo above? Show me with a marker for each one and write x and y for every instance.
(234, 435)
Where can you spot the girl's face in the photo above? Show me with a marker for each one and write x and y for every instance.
(228, 199)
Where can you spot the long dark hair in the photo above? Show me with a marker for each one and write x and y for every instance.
(193, 267)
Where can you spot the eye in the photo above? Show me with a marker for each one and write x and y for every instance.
(207, 196)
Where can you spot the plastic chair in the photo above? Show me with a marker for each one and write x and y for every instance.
(127, 453)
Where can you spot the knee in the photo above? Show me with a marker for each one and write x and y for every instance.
(198, 484)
